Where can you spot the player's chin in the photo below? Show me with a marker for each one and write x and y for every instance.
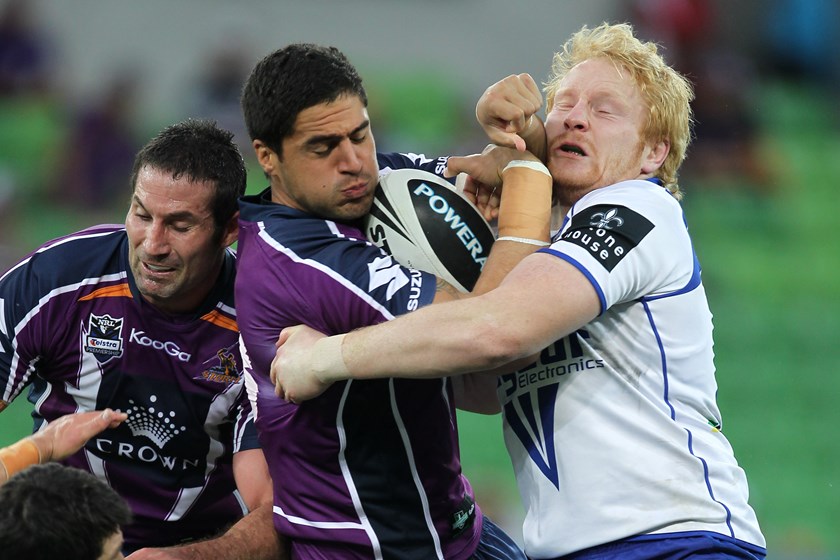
(355, 209)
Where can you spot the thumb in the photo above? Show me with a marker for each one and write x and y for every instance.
(462, 164)
(284, 336)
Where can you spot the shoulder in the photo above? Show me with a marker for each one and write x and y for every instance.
(394, 160)
(80, 254)
(631, 208)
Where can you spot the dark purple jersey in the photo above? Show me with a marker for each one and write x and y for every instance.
(370, 469)
(75, 329)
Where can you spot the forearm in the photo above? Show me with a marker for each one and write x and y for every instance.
(17, 457)
(252, 538)
(524, 221)
(534, 136)
(436, 341)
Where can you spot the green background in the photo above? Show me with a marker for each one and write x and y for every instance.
(771, 266)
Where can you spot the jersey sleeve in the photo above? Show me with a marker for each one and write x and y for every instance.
(27, 318)
(327, 276)
(624, 239)
(35, 296)
(391, 161)
(245, 432)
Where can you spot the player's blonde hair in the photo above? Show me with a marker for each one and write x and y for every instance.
(666, 92)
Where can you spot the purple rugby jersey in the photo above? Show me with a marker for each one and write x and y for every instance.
(370, 469)
(74, 328)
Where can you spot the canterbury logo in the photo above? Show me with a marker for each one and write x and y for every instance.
(385, 272)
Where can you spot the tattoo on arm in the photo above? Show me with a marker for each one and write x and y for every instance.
(446, 287)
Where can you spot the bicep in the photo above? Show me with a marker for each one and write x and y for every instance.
(545, 299)
(252, 478)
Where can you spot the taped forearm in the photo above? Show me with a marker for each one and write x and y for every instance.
(17, 457)
(525, 209)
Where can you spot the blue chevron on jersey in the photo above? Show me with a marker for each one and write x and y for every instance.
(531, 417)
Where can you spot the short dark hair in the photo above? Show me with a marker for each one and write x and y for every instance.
(201, 151)
(53, 511)
(292, 79)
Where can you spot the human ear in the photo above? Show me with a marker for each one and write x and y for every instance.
(265, 156)
(655, 156)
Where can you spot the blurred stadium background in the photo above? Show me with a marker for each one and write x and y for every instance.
(84, 83)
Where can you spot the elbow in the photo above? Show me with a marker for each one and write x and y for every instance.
(498, 343)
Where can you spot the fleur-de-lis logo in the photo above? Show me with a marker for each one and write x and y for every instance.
(605, 219)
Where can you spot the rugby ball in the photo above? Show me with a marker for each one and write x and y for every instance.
(425, 223)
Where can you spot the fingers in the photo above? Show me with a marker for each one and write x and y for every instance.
(485, 197)
(112, 418)
(506, 108)
(284, 335)
(459, 164)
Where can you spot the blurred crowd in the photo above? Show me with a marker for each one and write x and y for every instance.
(76, 154)
(797, 47)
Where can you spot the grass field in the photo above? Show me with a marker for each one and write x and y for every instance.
(771, 266)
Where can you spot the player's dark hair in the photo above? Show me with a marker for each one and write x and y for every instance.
(292, 79)
(51, 511)
(200, 151)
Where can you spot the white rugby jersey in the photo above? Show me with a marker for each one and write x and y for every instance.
(614, 432)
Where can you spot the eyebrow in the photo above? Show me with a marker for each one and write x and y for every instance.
(335, 138)
(174, 217)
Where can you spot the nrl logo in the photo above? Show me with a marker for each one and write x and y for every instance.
(104, 337)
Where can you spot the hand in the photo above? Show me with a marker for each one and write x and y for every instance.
(506, 109)
(292, 369)
(66, 435)
(484, 171)
(485, 197)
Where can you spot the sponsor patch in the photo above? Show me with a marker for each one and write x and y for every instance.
(104, 337)
(226, 371)
(608, 232)
(463, 518)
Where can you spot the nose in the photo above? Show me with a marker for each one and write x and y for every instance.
(577, 117)
(349, 157)
(156, 241)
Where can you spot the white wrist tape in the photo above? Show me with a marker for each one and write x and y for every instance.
(328, 361)
(525, 240)
(535, 165)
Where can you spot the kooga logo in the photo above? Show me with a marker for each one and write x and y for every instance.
(169, 347)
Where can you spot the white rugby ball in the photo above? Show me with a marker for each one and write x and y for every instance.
(425, 223)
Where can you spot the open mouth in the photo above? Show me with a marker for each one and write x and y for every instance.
(572, 149)
(157, 269)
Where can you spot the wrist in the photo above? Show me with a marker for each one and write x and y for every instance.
(328, 362)
(44, 447)
(525, 206)
(18, 456)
